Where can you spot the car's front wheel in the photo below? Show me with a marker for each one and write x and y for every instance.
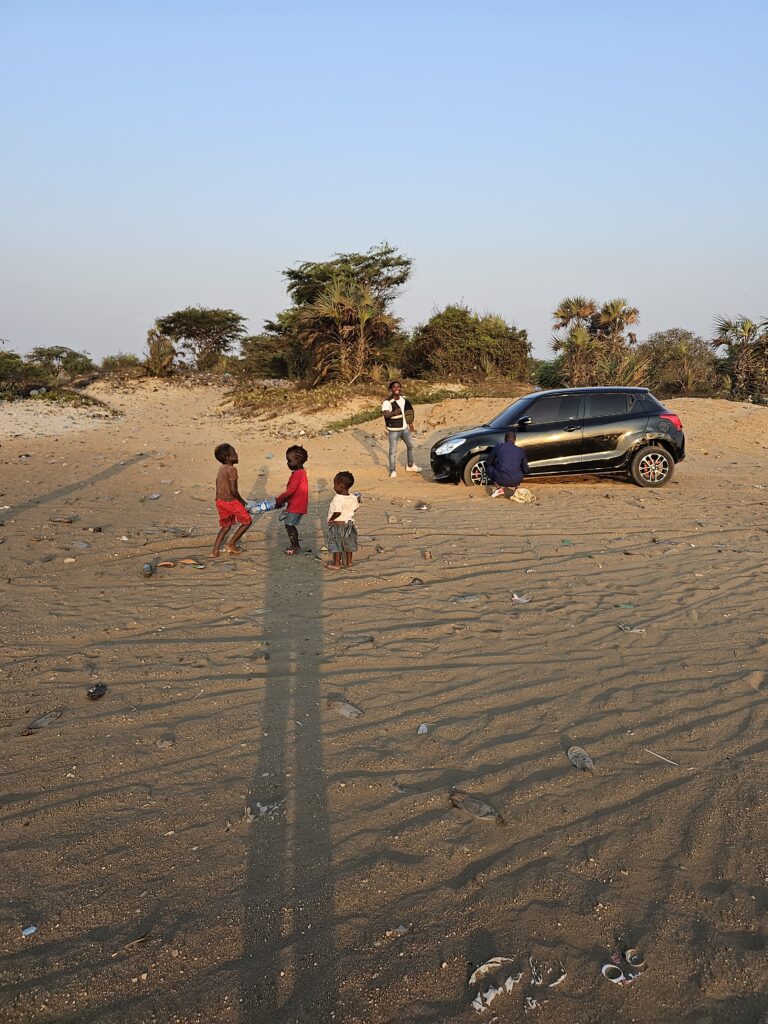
(652, 467)
(474, 474)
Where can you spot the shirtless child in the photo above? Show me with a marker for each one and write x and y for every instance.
(229, 503)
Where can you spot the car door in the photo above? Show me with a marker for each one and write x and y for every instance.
(550, 432)
(613, 420)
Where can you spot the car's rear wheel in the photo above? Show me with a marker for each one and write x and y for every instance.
(474, 474)
(652, 467)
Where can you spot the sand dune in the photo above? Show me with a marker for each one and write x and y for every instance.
(126, 818)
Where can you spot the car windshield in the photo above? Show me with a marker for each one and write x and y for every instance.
(511, 414)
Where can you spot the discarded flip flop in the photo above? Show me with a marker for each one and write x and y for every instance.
(579, 758)
(40, 722)
(94, 692)
(166, 565)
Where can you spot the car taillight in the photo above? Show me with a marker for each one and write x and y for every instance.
(673, 419)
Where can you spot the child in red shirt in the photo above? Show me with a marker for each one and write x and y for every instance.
(295, 496)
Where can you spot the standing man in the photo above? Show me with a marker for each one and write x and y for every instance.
(398, 417)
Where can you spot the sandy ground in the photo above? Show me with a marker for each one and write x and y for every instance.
(125, 839)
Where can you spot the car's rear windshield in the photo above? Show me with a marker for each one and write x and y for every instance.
(512, 413)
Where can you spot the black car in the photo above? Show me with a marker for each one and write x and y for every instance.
(573, 430)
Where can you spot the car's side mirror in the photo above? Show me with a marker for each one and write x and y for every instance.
(524, 421)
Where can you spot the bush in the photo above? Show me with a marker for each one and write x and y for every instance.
(121, 362)
(459, 343)
(680, 362)
(548, 373)
(18, 377)
(263, 356)
(56, 360)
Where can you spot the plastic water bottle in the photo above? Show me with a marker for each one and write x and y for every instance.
(358, 495)
(267, 505)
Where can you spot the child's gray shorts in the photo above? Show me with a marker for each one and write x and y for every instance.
(342, 537)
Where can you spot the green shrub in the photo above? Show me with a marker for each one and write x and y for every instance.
(457, 343)
(123, 361)
(53, 360)
(161, 354)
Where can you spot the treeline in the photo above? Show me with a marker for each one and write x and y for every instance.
(340, 326)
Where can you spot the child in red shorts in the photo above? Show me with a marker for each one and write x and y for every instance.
(229, 504)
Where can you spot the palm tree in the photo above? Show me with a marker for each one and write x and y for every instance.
(612, 320)
(341, 330)
(573, 312)
(746, 344)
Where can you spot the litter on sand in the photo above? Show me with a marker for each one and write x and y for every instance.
(133, 943)
(496, 968)
(661, 757)
(150, 497)
(417, 581)
(41, 722)
(488, 966)
(96, 691)
(399, 932)
(579, 758)
(475, 806)
(147, 570)
(523, 496)
(345, 708)
(423, 507)
(631, 629)
(29, 930)
(520, 599)
(423, 729)
(166, 565)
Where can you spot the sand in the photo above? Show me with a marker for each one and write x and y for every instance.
(125, 819)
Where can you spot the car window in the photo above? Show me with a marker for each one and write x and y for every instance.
(554, 409)
(615, 403)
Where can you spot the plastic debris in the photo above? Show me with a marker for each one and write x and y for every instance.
(41, 722)
(532, 1004)
(520, 599)
(150, 497)
(423, 507)
(346, 709)
(96, 691)
(523, 496)
(635, 959)
(567, 542)
(488, 966)
(423, 729)
(147, 570)
(660, 757)
(417, 581)
(399, 932)
(475, 807)
(58, 519)
(167, 565)
(579, 758)
(263, 810)
(560, 977)
(631, 629)
(29, 930)
(537, 978)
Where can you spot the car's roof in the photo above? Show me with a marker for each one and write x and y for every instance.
(581, 391)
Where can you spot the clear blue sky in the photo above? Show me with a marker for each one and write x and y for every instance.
(156, 155)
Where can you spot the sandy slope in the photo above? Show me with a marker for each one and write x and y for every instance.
(109, 835)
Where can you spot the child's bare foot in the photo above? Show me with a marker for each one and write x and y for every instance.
(215, 553)
(331, 565)
(232, 551)
(292, 551)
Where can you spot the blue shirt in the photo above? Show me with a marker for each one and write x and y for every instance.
(508, 464)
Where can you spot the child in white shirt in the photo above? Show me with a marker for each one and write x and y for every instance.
(342, 532)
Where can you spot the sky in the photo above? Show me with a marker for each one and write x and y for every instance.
(162, 154)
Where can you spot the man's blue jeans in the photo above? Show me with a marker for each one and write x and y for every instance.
(394, 437)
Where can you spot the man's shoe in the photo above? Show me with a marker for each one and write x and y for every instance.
(413, 469)
(392, 474)
(498, 493)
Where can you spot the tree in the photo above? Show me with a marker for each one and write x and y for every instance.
(316, 330)
(746, 359)
(341, 330)
(160, 353)
(456, 342)
(595, 342)
(206, 334)
(680, 361)
(58, 359)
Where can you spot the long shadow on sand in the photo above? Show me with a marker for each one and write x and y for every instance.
(289, 944)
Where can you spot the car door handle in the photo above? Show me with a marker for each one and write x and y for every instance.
(569, 430)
